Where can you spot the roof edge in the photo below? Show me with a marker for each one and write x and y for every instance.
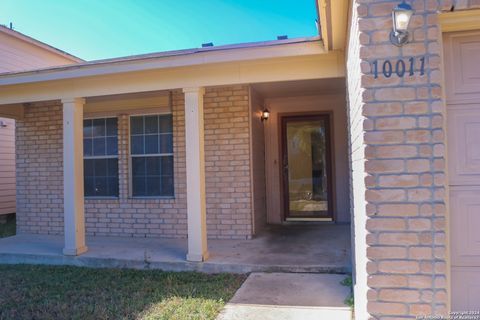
(167, 59)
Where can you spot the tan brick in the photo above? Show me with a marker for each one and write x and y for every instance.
(399, 295)
(405, 210)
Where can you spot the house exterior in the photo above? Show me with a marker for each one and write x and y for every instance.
(359, 131)
(19, 52)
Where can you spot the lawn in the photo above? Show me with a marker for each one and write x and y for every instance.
(60, 292)
(8, 229)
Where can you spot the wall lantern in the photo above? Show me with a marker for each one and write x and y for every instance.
(401, 15)
(3, 124)
(265, 114)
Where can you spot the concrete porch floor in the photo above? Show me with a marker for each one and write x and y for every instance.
(295, 248)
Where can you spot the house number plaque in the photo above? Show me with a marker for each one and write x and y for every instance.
(400, 68)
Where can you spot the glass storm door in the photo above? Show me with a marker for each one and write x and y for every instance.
(306, 168)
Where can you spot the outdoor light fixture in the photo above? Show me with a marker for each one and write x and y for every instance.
(265, 114)
(401, 15)
(3, 124)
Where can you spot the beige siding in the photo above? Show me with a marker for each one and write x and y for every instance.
(18, 55)
(7, 166)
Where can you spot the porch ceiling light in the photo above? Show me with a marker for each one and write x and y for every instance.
(401, 15)
(265, 114)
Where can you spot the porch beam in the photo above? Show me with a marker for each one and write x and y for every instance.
(195, 158)
(318, 66)
(73, 197)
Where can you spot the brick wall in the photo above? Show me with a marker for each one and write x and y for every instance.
(39, 170)
(127, 216)
(40, 175)
(398, 137)
(227, 162)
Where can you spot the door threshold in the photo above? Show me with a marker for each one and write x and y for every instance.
(309, 219)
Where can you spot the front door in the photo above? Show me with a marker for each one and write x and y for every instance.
(306, 168)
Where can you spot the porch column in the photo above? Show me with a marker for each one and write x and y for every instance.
(196, 203)
(74, 218)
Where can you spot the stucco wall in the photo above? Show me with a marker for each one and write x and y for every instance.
(228, 188)
(258, 162)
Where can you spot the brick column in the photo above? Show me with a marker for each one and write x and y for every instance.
(397, 153)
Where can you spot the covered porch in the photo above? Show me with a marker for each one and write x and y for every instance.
(217, 189)
(294, 248)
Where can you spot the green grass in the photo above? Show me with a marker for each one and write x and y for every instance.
(8, 229)
(60, 292)
(348, 282)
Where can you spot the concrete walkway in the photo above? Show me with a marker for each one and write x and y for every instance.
(292, 296)
(321, 248)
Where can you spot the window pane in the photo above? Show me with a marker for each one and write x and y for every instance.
(98, 127)
(153, 166)
(138, 187)
(167, 166)
(138, 166)
(112, 168)
(87, 128)
(152, 175)
(112, 127)
(100, 167)
(89, 188)
(99, 147)
(88, 168)
(151, 144)
(153, 186)
(100, 174)
(112, 184)
(137, 146)
(87, 147)
(166, 143)
(151, 124)
(166, 124)
(167, 186)
(101, 186)
(112, 146)
(136, 125)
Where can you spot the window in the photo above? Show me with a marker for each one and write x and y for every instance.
(151, 149)
(100, 157)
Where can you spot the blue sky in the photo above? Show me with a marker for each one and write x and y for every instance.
(98, 29)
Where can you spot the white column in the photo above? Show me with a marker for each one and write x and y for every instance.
(195, 158)
(74, 216)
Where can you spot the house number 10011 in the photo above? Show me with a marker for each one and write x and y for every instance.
(399, 68)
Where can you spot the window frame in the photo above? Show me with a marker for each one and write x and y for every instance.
(103, 157)
(131, 156)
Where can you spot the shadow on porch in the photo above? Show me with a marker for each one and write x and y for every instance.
(294, 248)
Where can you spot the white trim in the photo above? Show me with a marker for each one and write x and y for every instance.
(195, 171)
(172, 59)
(73, 190)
